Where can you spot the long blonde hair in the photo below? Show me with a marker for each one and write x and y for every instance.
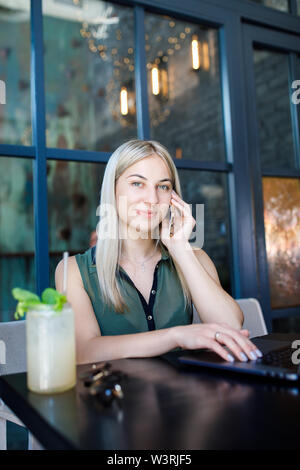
(108, 248)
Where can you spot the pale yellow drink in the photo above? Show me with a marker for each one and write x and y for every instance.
(50, 342)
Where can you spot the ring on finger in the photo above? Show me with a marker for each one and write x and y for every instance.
(217, 335)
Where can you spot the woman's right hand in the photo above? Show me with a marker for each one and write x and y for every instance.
(199, 336)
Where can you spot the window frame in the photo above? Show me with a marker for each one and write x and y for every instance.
(248, 274)
(284, 42)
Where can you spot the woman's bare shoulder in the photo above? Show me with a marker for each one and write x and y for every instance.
(73, 269)
(201, 254)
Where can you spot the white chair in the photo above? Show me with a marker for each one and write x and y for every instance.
(12, 361)
(196, 318)
(253, 317)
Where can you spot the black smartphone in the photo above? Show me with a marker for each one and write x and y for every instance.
(171, 221)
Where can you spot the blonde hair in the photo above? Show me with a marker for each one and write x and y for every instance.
(108, 249)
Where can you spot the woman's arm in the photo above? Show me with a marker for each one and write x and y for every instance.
(211, 301)
(92, 347)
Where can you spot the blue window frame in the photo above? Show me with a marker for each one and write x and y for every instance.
(284, 42)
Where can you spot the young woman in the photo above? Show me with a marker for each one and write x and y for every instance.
(133, 292)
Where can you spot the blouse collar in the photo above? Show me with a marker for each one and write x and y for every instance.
(164, 254)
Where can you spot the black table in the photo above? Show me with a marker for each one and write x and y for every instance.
(164, 407)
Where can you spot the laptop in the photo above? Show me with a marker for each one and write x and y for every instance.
(276, 362)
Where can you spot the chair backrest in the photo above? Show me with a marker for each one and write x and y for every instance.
(12, 347)
(196, 318)
(253, 317)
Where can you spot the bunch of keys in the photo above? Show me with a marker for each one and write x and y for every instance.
(104, 383)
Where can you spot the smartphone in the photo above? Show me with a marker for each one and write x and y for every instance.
(171, 221)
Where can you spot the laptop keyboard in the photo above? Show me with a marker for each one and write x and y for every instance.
(280, 357)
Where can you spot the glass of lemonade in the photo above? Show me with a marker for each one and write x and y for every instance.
(50, 340)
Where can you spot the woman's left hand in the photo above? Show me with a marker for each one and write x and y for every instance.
(183, 223)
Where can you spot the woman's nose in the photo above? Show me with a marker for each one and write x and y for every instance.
(151, 195)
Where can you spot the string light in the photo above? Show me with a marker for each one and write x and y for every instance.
(201, 58)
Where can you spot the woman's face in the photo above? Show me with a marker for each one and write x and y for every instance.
(143, 194)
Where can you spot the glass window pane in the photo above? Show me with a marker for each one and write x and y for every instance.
(16, 231)
(298, 6)
(185, 103)
(73, 197)
(273, 109)
(210, 189)
(282, 232)
(89, 65)
(289, 324)
(282, 5)
(15, 105)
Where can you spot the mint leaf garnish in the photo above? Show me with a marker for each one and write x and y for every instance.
(24, 295)
(52, 297)
(28, 300)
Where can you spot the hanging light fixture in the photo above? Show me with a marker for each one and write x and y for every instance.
(195, 53)
(164, 83)
(155, 80)
(205, 51)
(159, 82)
(124, 101)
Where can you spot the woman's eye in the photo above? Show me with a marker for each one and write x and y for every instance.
(138, 184)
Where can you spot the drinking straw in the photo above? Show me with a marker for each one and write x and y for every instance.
(66, 254)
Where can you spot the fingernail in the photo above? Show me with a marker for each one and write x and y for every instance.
(230, 358)
(259, 353)
(253, 355)
(244, 357)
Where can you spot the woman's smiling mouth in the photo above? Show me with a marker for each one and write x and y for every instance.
(145, 213)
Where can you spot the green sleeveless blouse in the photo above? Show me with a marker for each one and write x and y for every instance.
(166, 303)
